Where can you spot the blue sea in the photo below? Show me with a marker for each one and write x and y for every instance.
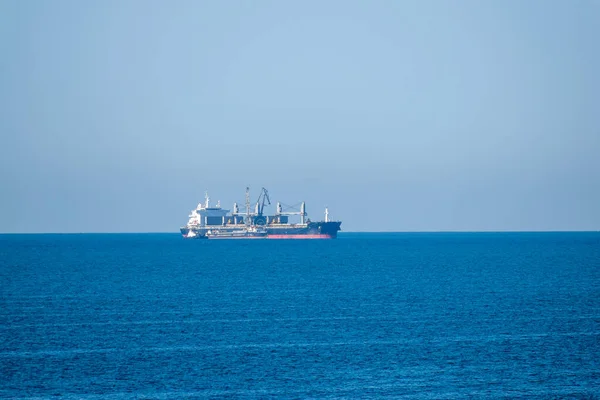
(404, 315)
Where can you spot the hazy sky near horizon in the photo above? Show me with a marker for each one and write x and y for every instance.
(398, 115)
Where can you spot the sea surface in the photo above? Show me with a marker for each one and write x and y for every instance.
(405, 315)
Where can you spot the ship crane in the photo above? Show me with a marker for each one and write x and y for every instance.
(302, 212)
(262, 199)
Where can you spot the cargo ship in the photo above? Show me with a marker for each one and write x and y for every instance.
(253, 222)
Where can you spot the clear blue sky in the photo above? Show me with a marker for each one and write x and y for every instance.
(398, 115)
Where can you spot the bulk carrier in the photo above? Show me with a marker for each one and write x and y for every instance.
(206, 222)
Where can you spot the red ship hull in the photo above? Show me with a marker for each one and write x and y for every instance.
(301, 236)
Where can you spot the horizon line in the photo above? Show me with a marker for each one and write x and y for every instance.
(340, 233)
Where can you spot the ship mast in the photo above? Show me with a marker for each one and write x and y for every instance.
(247, 206)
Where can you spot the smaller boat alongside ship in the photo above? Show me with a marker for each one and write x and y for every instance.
(206, 222)
(251, 232)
